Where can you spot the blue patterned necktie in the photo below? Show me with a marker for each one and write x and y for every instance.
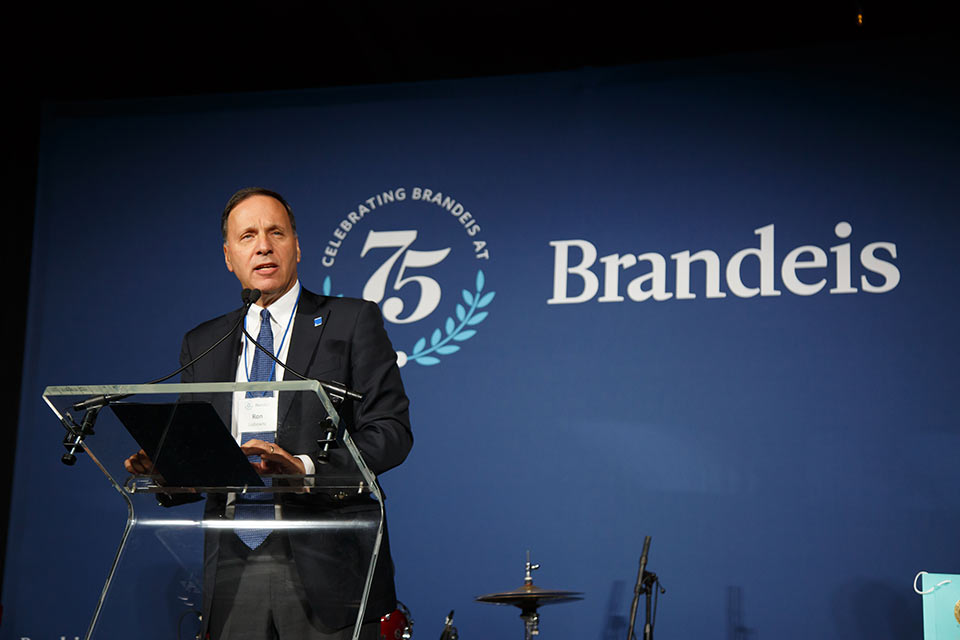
(255, 506)
(263, 367)
(258, 506)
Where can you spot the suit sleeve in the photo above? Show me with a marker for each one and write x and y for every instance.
(381, 422)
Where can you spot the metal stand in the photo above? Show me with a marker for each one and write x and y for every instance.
(529, 598)
(646, 582)
(531, 624)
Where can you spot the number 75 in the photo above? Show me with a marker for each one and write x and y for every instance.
(376, 286)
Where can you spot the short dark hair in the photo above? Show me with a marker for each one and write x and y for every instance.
(249, 192)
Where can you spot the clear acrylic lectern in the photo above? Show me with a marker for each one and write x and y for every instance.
(176, 531)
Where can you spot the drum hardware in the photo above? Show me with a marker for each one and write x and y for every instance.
(449, 631)
(397, 625)
(529, 598)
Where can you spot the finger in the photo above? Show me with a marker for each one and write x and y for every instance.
(269, 464)
(284, 463)
(130, 463)
(142, 461)
(262, 449)
(258, 447)
(267, 468)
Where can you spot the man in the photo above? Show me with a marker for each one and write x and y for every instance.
(294, 585)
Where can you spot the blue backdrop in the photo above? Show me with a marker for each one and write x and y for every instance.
(781, 420)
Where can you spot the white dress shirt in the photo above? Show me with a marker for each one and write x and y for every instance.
(282, 317)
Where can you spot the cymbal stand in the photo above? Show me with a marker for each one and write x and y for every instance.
(531, 624)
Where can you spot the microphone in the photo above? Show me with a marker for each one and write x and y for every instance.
(335, 389)
(248, 296)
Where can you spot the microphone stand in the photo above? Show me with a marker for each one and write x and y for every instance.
(335, 390)
(73, 441)
(648, 582)
(644, 585)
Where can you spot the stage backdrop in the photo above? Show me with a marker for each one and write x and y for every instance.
(711, 301)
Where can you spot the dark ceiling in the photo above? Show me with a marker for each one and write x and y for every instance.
(113, 49)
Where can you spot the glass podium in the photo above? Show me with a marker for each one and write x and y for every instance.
(184, 521)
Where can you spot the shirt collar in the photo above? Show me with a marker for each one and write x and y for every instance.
(280, 310)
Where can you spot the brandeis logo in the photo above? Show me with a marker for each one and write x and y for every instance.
(749, 272)
(419, 254)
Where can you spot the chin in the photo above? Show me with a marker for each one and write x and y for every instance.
(266, 287)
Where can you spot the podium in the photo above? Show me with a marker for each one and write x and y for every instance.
(327, 526)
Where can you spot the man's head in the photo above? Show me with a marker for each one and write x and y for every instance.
(260, 242)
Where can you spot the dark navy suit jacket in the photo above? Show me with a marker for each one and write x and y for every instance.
(348, 345)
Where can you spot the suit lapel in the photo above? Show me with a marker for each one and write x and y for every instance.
(303, 343)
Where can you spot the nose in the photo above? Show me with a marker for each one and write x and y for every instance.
(264, 245)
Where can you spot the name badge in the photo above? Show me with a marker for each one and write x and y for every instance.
(257, 414)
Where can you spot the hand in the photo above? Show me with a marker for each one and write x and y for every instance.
(139, 464)
(273, 459)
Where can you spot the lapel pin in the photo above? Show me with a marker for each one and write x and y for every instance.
(318, 321)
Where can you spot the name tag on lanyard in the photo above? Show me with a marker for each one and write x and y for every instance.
(257, 414)
(260, 414)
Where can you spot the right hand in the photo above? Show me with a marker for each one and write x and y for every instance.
(139, 464)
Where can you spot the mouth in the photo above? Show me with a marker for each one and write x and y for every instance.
(266, 269)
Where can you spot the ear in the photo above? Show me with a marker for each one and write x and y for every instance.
(226, 257)
(298, 250)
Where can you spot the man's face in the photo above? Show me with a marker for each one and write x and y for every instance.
(261, 248)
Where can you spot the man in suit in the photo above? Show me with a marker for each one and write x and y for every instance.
(297, 584)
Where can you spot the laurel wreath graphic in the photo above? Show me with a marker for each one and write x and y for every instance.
(442, 341)
(455, 330)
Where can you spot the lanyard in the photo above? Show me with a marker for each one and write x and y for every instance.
(273, 369)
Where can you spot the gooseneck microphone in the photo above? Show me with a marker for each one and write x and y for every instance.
(248, 296)
(76, 433)
(73, 441)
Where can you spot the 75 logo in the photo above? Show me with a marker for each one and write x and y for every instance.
(458, 327)
(376, 286)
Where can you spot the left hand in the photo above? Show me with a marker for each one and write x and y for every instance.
(273, 459)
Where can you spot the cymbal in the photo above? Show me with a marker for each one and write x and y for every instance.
(530, 596)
